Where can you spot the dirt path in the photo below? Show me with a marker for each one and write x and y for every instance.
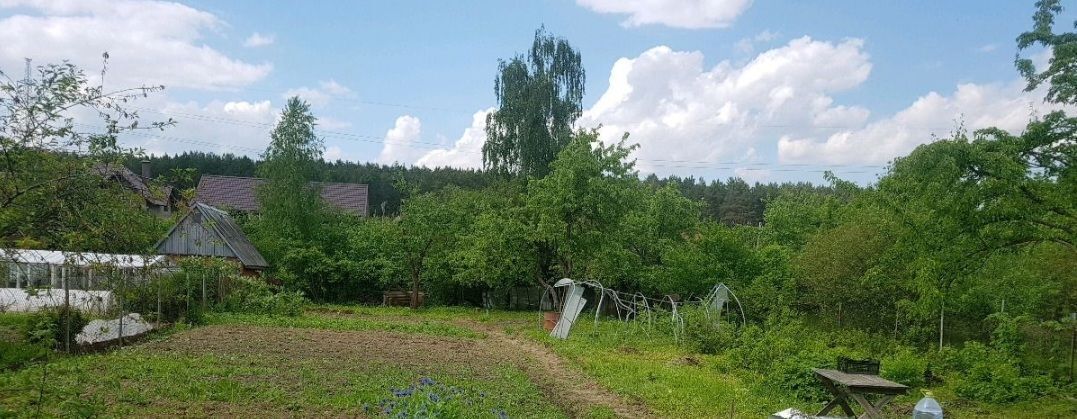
(563, 383)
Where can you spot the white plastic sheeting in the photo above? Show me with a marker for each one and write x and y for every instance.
(99, 331)
(15, 299)
(574, 303)
(80, 259)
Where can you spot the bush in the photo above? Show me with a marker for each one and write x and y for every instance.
(992, 375)
(179, 294)
(257, 297)
(784, 353)
(905, 367)
(49, 327)
(705, 335)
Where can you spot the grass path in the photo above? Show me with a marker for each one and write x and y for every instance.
(569, 387)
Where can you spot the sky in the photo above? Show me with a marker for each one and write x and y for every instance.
(762, 90)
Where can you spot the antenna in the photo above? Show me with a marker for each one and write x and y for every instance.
(26, 82)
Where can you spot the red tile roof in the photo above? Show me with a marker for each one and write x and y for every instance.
(238, 193)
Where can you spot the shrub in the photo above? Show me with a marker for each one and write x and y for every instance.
(257, 297)
(179, 294)
(49, 327)
(705, 334)
(784, 353)
(993, 375)
(905, 367)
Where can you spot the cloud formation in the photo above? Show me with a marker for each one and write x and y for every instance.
(687, 14)
(258, 40)
(319, 96)
(149, 42)
(399, 142)
(680, 112)
(779, 109)
(466, 152)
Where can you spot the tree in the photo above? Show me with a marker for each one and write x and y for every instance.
(577, 211)
(291, 205)
(50, 193)
(1063, 46)
(428, 226)
(539, 97)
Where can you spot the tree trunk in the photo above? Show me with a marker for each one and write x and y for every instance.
(415, 275)
(942, 320)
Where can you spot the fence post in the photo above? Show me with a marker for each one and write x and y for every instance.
(67, 310)
(157, 278)
(123, 279)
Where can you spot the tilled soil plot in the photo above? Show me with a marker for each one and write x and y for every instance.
(337, 352)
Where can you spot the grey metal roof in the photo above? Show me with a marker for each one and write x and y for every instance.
(240, 193)
(136, 183)
(227, 231)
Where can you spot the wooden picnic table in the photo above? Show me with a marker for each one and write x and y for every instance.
(845, 386)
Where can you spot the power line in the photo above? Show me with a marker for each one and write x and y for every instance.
(415, 144)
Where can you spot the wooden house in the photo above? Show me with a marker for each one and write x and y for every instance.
(208, 231)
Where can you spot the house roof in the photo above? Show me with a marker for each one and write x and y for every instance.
(239, 193)
(229, 232)
(135, 182)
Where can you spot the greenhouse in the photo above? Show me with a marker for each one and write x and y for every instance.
(33, 279)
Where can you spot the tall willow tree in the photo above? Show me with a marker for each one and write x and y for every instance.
(539, 97)
(291, 206)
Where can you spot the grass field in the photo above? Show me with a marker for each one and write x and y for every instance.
(361, 361)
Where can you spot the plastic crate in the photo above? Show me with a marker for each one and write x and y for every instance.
(858, 366)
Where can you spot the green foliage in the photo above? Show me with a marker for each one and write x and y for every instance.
(1059, 71)
(539, 97)
(291, 208)
(785, 353)
(54, 327)
(53, 194)
(254, 296)
(904, 366)
(992, 375)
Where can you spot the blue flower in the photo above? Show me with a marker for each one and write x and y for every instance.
(426, 381)
(434, 397)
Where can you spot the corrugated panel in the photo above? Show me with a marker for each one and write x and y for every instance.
(232, 235)
(240, 193)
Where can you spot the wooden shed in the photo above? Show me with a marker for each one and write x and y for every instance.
(208, 231)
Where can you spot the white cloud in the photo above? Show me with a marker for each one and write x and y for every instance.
(779, 108)
(682, 114)
(333, 153)
(149, 42)
(690, 14)
(321, 95)
(258, 40)
(237, 127)
(987, 48)
(466, 152)
(399, 142)
(747, 45)
(1005, 106)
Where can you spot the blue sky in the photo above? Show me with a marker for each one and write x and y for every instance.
(767, 90)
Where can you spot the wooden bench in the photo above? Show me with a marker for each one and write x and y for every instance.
(400, 298)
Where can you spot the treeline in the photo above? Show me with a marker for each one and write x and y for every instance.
(731, 202)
